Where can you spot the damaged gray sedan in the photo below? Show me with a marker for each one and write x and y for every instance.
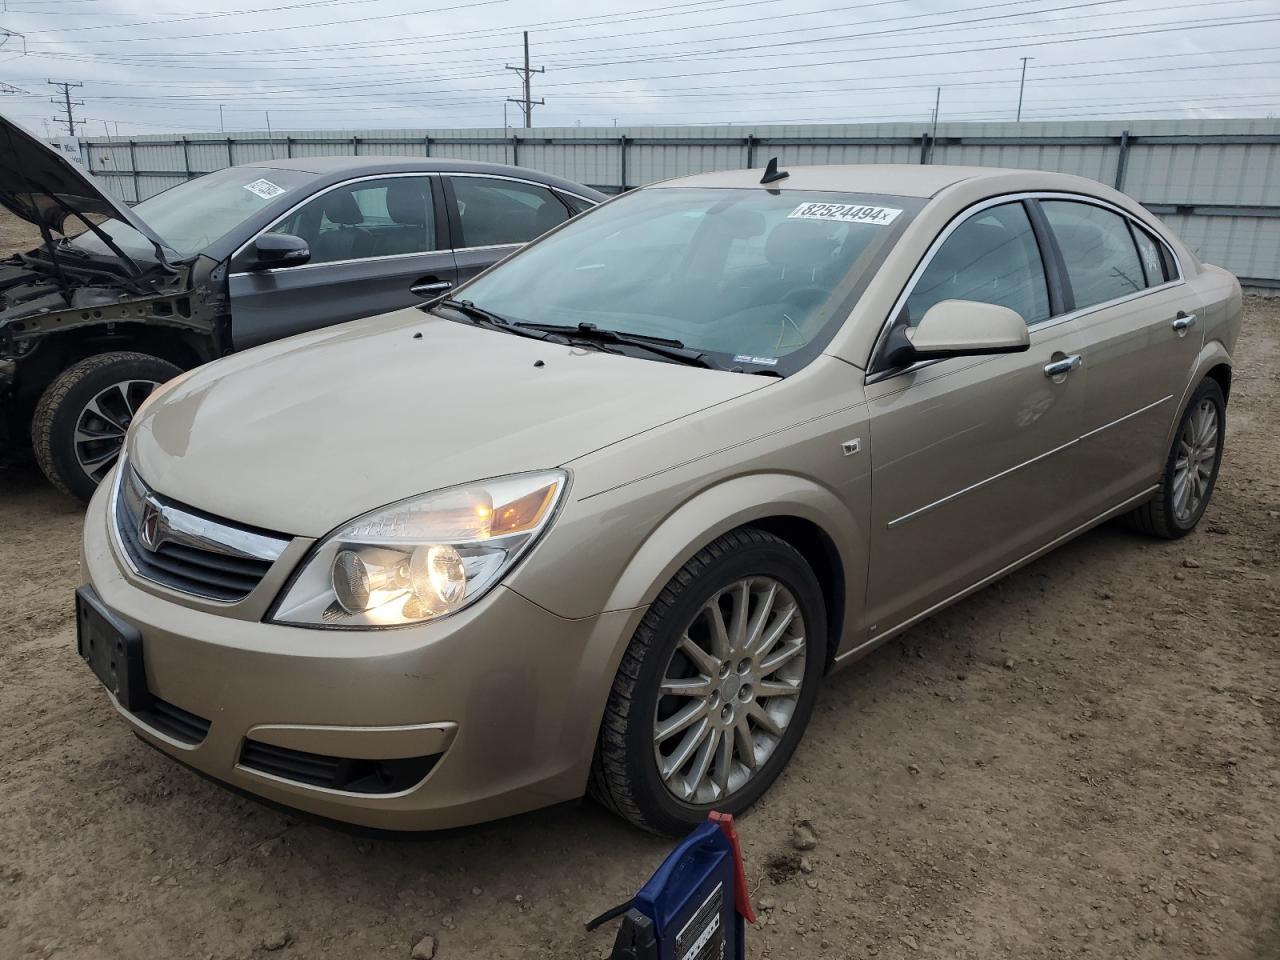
(117, 300)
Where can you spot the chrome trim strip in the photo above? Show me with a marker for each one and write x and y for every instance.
(1026, 463)
(977, 208)
(532, 183)
(495, 246)
(186, 529)
(335, 263)
(981, 483)
(1127, 416)
(1008, 568)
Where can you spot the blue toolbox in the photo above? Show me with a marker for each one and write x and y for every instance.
(694, 907)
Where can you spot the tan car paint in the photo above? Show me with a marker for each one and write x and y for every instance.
(924, 485)
(301, 435)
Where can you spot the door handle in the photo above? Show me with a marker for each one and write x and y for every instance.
(430, 287)
(1064, 366)
(1183, 322)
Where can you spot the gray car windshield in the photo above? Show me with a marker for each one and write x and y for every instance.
(194, 214)
(754, 276)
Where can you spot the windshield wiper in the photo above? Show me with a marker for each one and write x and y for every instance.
(480, 317)
(665, 347)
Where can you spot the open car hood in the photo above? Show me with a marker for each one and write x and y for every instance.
(44, 188)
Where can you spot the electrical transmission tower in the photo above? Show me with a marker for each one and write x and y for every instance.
(527, 103)
(67, 105)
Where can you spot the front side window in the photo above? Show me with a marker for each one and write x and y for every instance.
(1097, 249)
(494, 212)
(752, 275)
(992, 257)
(369, 218)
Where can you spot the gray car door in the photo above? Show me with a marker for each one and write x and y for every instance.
(494, 216)
(377, 244)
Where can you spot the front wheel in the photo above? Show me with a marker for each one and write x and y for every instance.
(716, 687)
(80, 421)
(1191, 469)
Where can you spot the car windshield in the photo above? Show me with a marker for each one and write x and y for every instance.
(759, 278)
(194, 214)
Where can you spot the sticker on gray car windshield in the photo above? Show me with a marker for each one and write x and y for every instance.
(762, 361)
(264, 189)
(844, 213)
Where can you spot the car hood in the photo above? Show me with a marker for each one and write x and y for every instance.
(302, 435)
(45, 188)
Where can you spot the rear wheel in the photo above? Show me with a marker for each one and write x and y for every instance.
(716, 688)
(1191, 469)
(80, 422)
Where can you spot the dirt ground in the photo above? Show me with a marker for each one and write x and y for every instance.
(1079, 761)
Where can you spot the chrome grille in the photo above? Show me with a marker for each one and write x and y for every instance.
(187, 550)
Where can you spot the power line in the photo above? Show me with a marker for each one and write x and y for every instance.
(526, 74)
(68, 105)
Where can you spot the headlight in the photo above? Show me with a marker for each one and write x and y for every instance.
(421, 558)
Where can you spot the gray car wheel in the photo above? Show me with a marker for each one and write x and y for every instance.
(716, 687)
(1191, 468)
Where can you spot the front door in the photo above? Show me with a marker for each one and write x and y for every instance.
(375, 247)
(1142, 340)
(972, 457)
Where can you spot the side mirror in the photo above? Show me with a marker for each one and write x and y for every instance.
(967, 328)
(277, 250)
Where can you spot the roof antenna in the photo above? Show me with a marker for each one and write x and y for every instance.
(772, 173)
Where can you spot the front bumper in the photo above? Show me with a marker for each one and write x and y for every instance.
(506, 696)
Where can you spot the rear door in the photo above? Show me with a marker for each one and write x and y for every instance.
(972, 457)
(1141, 340)
(377, 244)
(493, 216)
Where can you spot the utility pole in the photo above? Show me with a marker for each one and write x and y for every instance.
(526, 73)
(221, 126)
(67, 103)
(1022, 83)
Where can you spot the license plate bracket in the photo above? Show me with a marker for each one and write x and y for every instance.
(113, 651)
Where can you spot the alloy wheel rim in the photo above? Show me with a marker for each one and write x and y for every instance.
(729, 691)
(102, 423)
(1195, 459)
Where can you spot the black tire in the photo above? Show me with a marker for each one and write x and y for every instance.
(53, 427)
(625, 777)
(1158, 517)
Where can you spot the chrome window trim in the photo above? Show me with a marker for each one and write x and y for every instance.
(495, 246)
(333, 263)
(526, 180)
(963, 217)
(320, 193)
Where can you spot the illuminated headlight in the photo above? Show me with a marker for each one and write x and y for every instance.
(421, 558)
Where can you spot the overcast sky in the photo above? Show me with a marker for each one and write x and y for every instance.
(163, 66)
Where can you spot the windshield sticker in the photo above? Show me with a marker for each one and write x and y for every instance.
(759, 361)
(264, 189)
(844, 213)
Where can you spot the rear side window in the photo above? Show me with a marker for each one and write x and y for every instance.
(496, 212)
(576, 204)
(1098, 250)
(1153, 264)
(992, 257)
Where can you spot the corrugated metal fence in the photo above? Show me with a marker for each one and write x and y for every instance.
(1216, 182)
